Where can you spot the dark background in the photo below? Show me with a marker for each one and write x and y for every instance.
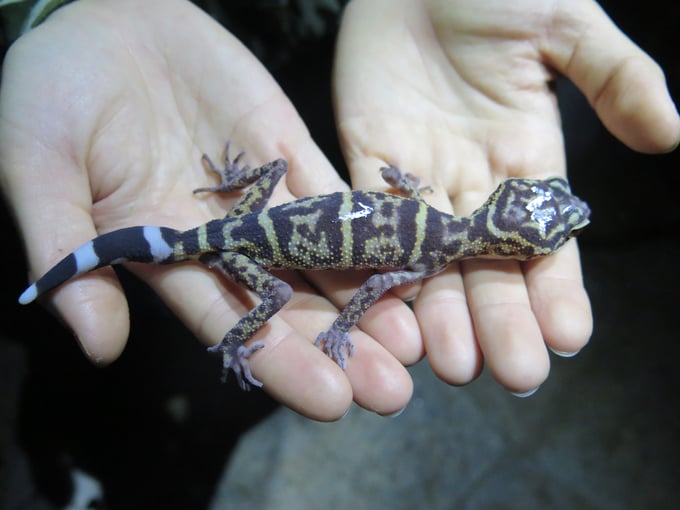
(155, 424)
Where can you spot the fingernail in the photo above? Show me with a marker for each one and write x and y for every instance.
(526, 394)
(565, 354)
(393, 415)
(345, 413)
(674, 146)
(83, 349)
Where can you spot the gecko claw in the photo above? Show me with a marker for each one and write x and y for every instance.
(229, 176)
(235, 358)
(335, 343)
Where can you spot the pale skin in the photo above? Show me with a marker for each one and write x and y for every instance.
(460, 97)
(106, 128)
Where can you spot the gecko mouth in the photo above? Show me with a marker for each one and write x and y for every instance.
(579, 228)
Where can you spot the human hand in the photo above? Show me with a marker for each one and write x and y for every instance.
(459, 93)
(105, 110)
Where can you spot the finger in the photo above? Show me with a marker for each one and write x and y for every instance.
(381, 383)
(507, 330)
(292, 369)
(299, 375)
(448, 332)
(95, 310)
(46, 184)
(94, 306)
(622, 83)
(378, 379)
(303, 378)
(560, 301)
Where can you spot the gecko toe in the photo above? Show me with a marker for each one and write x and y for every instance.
(235, 359)
(335, 344)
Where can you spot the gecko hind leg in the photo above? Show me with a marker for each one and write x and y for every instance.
(336, 341)
(235, 358)
(274, 293)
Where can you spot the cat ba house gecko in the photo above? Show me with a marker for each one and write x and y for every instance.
(402, 236)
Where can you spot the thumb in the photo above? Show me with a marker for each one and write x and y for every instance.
(54, 220)
(622, 83)
(44, 179)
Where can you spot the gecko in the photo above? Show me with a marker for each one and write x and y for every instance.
(399, 235)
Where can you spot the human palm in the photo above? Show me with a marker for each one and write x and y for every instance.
(460, 92)
(106, 130)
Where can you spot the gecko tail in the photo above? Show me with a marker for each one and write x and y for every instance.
(132, 244)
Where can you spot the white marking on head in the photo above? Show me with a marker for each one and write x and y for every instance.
(159, 248)
(541, 214)
(86, 258)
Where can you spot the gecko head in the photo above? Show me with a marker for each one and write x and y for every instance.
(534, 217)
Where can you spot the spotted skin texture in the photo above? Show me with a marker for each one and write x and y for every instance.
(402, 236)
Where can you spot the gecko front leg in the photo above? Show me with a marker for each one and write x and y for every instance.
(235, 176)
(273, 292)
(407, 183)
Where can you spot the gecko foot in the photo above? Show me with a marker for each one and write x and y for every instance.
(335, 343)
(235, 358)
(407, 183)
(229, 175)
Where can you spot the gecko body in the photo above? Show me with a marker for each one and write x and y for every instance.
(402, 236)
